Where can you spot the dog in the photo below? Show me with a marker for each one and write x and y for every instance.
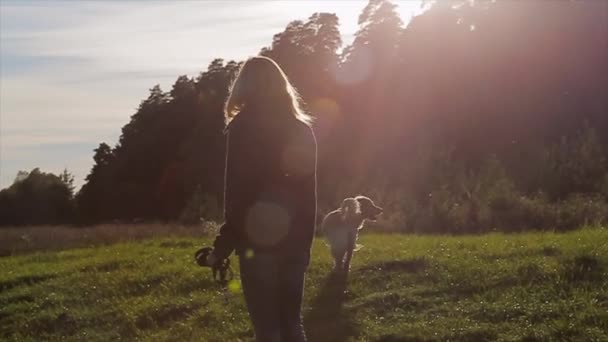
(341, 228)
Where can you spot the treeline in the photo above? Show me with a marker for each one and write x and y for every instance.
(477, 116)
(37, 197)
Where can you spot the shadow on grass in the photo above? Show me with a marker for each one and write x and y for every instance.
(582, 268)
(25, 280)
(327, 321)
(164, 316)
(415, 265)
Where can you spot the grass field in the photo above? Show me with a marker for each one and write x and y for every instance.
(523, 287)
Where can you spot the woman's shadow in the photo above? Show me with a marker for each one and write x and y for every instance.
(326, 320)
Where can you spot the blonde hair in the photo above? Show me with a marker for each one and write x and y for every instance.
(262, 85)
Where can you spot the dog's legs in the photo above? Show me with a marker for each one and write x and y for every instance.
(352, 239)
(338, 255)
(347, 259)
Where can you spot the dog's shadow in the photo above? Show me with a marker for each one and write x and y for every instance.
(326, 320)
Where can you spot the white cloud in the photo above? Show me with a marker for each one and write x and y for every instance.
(71, 73)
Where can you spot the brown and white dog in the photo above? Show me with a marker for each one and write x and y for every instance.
(341, 228)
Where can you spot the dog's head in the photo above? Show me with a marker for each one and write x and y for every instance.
(369, 210)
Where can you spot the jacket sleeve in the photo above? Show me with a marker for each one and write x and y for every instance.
(309, 205)
(312, 192)
(224, 242)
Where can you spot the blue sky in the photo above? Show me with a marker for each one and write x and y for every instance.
(73, 72)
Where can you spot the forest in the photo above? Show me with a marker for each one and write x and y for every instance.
(476, 116)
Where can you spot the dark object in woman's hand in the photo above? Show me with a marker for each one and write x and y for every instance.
(221, 268)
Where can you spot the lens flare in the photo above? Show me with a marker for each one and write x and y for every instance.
(266, 223)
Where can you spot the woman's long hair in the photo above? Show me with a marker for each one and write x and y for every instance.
(262, 86)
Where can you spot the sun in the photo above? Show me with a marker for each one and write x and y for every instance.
(407, 9)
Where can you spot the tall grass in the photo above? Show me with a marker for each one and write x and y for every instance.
(503, 287)
(19, 240)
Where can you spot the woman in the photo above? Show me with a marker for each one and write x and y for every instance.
(270, 197)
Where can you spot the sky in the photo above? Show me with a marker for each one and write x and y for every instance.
(73, 72)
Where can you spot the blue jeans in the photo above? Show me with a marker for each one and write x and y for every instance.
(273, 287)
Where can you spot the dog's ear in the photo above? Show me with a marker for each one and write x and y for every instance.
(350, 207)
(364, 201)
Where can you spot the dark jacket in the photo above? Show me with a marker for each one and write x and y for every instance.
(270, 187)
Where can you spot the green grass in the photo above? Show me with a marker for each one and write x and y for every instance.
(523, 287)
